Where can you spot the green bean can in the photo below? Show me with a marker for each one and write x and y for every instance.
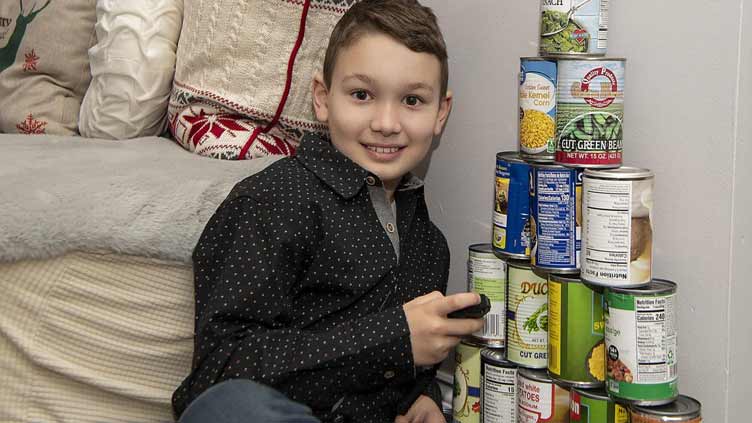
(590, 112)
(466, 395)
(595, 406)
(487, 274)
(527, 316)
(574, 27)
(641, 344)
(576, 348)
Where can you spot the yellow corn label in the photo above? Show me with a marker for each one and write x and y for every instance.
(554, 327)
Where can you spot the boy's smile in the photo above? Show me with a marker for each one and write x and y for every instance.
(384, 105)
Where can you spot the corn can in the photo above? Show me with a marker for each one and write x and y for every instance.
(574, 27)
(576, 347)
(537, 101)
(487, 274)
(466, 398)
(511, 214)
(540, 399)
(595, 406)
(527, 316)
(590, 112)
(684, 410)
(498, 387)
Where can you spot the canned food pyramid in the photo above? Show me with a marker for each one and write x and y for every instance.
(641, 345)
(588, 406)
(498, 387)
(590, 112)
(537, 100)
(574, 27)
(576, 348)
(539, 399)
(466, 395)
(527, 317)
(487, 274)
(511, 214)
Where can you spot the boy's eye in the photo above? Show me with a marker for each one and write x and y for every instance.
(360, 95)
(413, 100)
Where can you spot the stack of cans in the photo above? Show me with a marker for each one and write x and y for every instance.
(589, 335)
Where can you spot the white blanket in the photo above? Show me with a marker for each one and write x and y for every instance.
(143, 197)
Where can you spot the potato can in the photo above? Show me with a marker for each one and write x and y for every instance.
(555, 210)
(487, 274)
(511, 214)
(684, 410)
(498, 387)
(595, 406)
(641, 344)
(537, 101)
(527, 316)
(539, 399)
(466, 398)
(617, 227)
(576, 347)
(590, 112)
(574, 27)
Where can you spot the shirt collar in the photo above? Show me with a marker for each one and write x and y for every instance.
(337, 171)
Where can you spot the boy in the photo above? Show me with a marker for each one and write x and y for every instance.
(321, 276)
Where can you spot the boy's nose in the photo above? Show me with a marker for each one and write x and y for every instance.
(386, 119)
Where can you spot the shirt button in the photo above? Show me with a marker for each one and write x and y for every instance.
(390, 227)
(339, 418)
(388, 374)
(370, 180)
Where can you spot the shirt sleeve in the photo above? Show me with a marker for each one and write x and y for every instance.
(246, 264)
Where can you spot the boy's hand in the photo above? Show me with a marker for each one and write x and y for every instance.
(432, 334)
(423, 410)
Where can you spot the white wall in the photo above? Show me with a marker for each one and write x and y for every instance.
(688, 94)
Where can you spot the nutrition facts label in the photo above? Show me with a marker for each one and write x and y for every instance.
(557, 232)
(607, 219)
(656, 339)
(499, 387)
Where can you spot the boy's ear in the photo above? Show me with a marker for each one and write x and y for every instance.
(444, 108)
(320, 97)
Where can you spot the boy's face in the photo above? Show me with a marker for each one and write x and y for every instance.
(384, 105)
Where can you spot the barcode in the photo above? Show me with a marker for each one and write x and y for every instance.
(491, 325)
(603, 38)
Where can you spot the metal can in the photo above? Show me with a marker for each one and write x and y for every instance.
(466, 399)
(641, 344)
(595, 406)
(527, 316)
(590, 112)
(537, 101)
(576, 347)
(487, 274)
(684, 410)
(511, 215)
(539, 399)
(617, 239)
(498, 387)
(555, 210)
(574, 27)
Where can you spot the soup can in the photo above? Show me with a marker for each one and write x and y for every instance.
(556, 210)
(487, 274)
(576, 347)
(590, 112)
(537, 101)
(466, 398)
(527, 316)
(595, 406)
(511, 214)
(641, 343)
(574, 27)
(617, 227)
(539, 399)
(684, 410)
(498, 387)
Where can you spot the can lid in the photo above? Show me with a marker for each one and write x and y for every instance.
(538, 59)
(472, 342)
(599, 394)
(624, 172)
(683, 406)
(538, 375)
(656, 286)
(481, 248)
(558, 277)
(570, 56)
(519, 264)
(510, 156)
(496, 356)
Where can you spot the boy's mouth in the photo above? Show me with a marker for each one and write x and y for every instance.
(383, 150)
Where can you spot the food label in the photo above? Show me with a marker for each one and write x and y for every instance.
(527, 318)
(537, 101)
(466, 398)
(499, 390)
(641, 347)
(594, 410)
(487, 274)
(574, 27)
(540, 402)
(511, 216)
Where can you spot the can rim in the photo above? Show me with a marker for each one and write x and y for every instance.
(597, 393)
(538, 58)
(538, 375)
(656, 286)
(472, 343)
(512, 156)
(683, 406)
(566, 278)
(570, 56)
(624, 172)
(481, 248)
(519, 264)
(496, 355)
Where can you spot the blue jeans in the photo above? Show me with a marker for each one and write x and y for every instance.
(245, 401)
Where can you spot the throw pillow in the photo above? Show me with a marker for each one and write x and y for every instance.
(132, 67)
(243, 74)
(44, 67)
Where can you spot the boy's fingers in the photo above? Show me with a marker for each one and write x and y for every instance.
(431, 296)
(455, 302)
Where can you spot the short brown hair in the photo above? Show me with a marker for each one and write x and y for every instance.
(407, 21)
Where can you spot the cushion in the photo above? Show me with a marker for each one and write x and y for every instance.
(132, 66)
(44, 66)
(242, 84)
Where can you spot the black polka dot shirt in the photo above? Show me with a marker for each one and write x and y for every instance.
(300, 278)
